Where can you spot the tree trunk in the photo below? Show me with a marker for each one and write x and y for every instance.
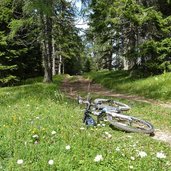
(47, 47)
(54, 58)
(63, 67)
(60, 65)
(110, 60)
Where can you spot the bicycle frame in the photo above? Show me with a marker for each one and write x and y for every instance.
(104, 109)
(114, 116)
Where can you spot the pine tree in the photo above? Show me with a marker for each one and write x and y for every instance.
(138, 30)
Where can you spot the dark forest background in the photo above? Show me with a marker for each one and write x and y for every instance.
(40, 38)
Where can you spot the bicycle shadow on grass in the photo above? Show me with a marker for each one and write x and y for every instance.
(116, 129)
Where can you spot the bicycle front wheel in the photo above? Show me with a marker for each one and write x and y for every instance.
(130, 124)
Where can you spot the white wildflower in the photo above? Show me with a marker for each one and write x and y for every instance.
(20, 161)
(131, 167)
(67, 147)
(103, 124)
(160, 155)
(134, 145)
(35, 136)
(132, 158)
(123, 154)
(108, 135)
(167, 163)
(36, 142)
(53, 132)
(98, 125)
(117, 149)
(82, 128)
(142, 154)
(98, 158)
(50, 162)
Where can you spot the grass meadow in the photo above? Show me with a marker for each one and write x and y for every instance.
(155, 87)
(42, 130)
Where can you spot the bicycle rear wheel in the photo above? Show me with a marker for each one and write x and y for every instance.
(130, 124)
(112, 103)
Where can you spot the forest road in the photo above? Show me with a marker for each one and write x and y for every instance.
(74, 86)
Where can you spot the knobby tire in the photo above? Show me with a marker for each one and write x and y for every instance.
(144, 127)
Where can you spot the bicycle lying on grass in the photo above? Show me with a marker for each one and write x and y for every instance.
(112, 111)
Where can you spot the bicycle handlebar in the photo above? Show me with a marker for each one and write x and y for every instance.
(98, 104)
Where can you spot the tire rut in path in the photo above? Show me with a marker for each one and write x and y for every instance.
(72, 88)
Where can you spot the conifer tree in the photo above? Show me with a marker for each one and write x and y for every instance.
(139, 32)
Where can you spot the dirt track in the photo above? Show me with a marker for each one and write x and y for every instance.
(78, 85)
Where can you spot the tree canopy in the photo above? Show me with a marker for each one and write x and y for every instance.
(40, 37)
(131, 34)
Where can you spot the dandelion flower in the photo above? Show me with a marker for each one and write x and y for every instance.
(142, 154)
(98, 158)
(20, 161)
(160, 155)
(67, 147)
(50, 162)
(53, 132)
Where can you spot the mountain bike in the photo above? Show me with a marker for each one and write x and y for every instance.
(112, 111)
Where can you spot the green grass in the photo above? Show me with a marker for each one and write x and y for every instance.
(155, 87)
(29, 113)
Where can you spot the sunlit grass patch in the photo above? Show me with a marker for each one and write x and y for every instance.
(156, 87)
